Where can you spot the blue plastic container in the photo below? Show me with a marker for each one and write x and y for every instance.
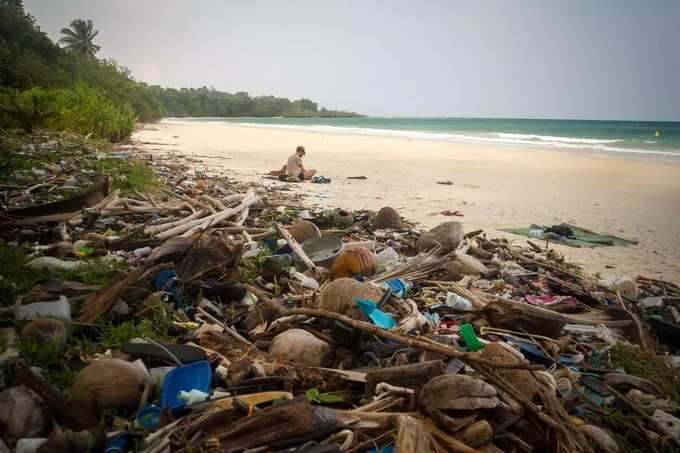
(379, 317)
(398, 286)
(149, 417)
(196, 375)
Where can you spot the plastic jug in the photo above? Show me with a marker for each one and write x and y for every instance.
(457, 302)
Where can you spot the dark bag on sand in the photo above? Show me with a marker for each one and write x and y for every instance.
(562, 230)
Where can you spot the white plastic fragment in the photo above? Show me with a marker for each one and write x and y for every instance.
(60, 309)
(51, 263)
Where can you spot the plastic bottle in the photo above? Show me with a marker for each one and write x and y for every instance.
(399, 287)
(601, 331)
(457, 302)
(387, 259)
(651, 302)
(193, 396)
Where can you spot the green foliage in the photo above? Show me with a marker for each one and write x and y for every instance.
(49, 357)
(115, 336)
(25, 109)
(314, 396)
(86, 110)
(15, 278)
(78, 38)
(647, 364)
(80, 108)
(28, 58)
(42, 355)
(109, 101)
(116, 83)
(130, 175)
(61, 377)
(96, 272)
(210, 102)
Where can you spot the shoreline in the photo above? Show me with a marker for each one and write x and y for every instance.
(572, 147)
(633, 198)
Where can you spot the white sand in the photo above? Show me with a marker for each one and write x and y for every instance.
(493, 187)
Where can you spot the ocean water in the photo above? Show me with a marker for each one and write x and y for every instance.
(633, 137)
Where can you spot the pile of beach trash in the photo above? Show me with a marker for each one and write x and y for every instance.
(207, 314)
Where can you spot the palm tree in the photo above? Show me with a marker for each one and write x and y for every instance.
(78, 38)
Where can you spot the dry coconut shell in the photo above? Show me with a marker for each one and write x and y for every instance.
(458, 391)
(388, 218)
(303, 230)
(522, 380)
(447, 235)
(108, 384)
(22, 413)
(44, 331)
(353, 262)
(463, 264)
(339, 297)
(299, 346)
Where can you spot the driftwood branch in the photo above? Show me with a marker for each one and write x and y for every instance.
(410, 340)
(297, 249)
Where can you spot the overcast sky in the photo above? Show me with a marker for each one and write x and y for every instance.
(600, 59)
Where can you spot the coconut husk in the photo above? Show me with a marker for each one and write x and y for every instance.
(67, 441)
(462, 264)
(388, 218)
(478, 433)
(354, 262)
(44, 331)
(22, 413)
(303, 230)
(447, 235)
(412, 436)
(108, 384)
(458, 391)
(522, 380)
(449, 423)
(299, 346)
(341, 218)
(339, 297)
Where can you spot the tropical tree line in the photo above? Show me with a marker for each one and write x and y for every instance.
(210, 102)
(43, 84)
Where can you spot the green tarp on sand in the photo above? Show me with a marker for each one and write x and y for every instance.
(581, 237)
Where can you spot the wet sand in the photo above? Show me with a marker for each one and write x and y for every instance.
(493, 187)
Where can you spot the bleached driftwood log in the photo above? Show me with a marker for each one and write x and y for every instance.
(190, 225)
(167, 226)
(297, 249)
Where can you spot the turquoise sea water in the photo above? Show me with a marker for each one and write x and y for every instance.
(633, 137)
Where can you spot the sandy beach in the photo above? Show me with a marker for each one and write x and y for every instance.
(493, 187)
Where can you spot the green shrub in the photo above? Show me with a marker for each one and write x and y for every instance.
(86, 110)
(129, 175)
(80, 109)
(26, 109)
